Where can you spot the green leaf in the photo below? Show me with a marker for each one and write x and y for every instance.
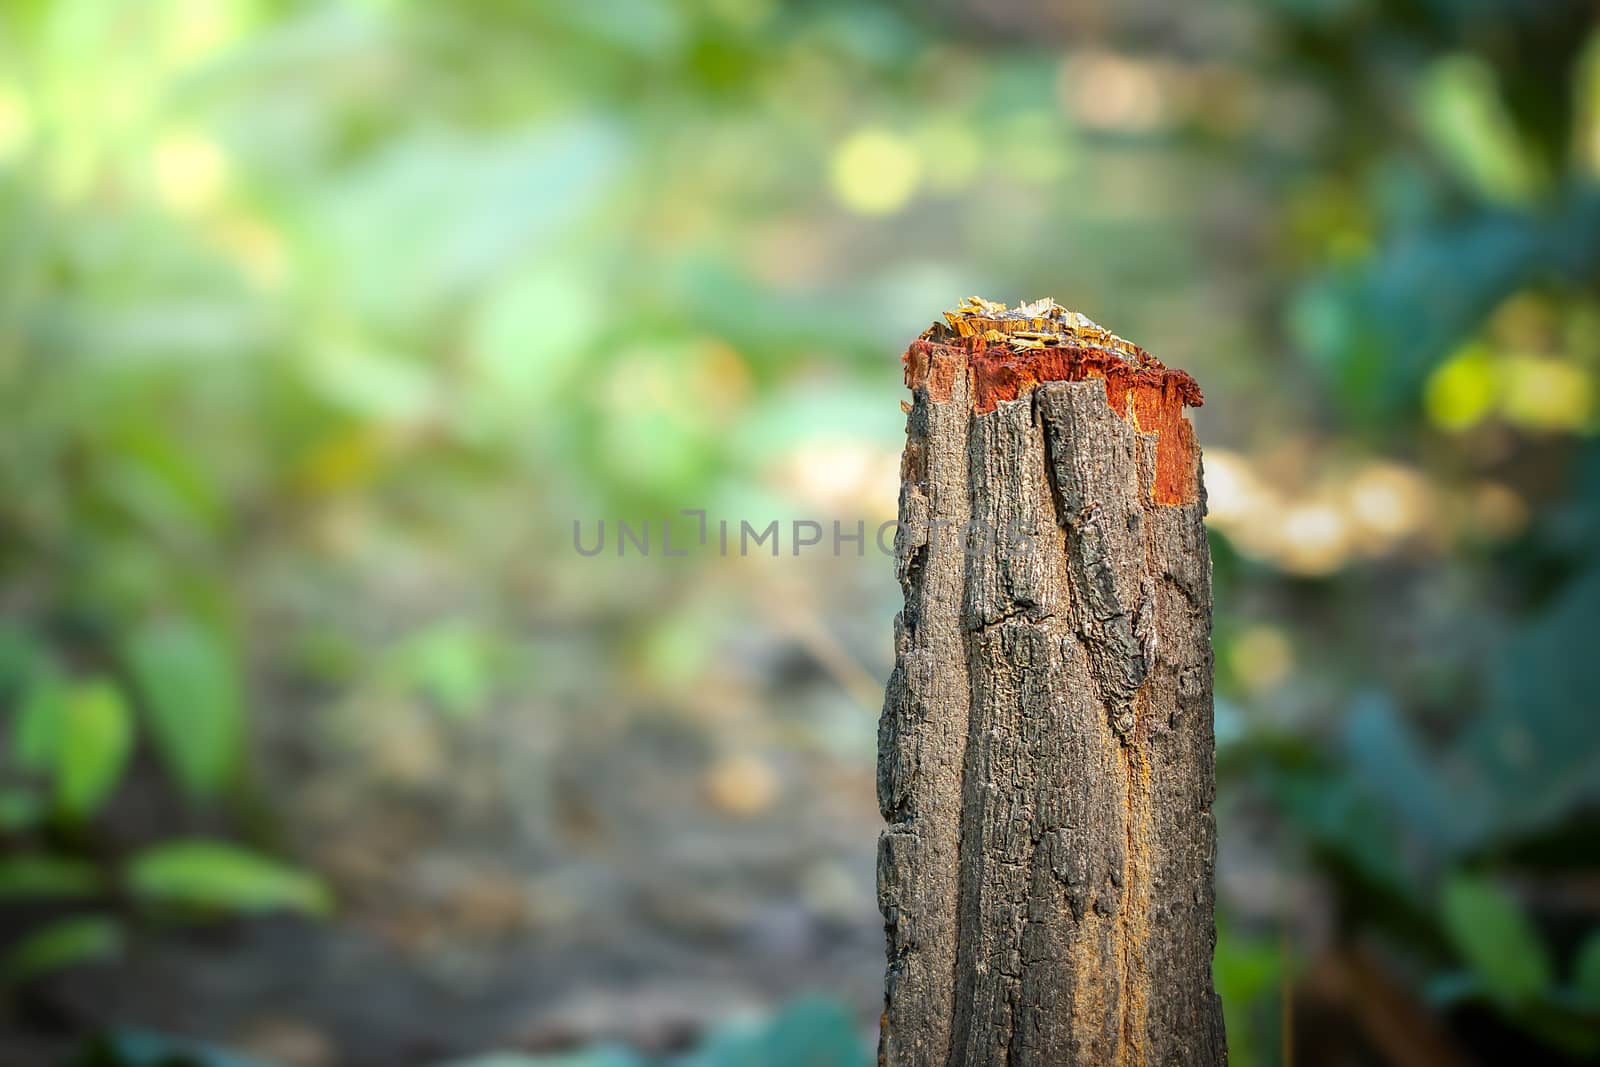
(1461, 110)
(20, 660)
(62, 944)
(1490, 931)
(1249, 974)
(1532, 759)
(95, 741)
(157, 479)
(47, 876)
(36, 733)
(191, 694)
(215, 876)
(20, 809)
(451, 663)
(1387, 757)
(1586, 970)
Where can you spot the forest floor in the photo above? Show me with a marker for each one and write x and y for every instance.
(631, 881)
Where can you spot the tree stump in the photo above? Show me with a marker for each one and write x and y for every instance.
(1045, 757)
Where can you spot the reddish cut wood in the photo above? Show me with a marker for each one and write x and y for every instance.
(1151, 395)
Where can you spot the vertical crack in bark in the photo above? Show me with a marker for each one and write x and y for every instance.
(1132, 931)
(969, 860)
(1138, 777)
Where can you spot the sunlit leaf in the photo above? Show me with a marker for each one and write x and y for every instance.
(157, 481)
(646, 28)
(1462, 111)
(95, 742)
(528, 334)
(451, 663)
(1249, 972)
(214, 876)
(384, 387)
(191, 694)
(434, 214)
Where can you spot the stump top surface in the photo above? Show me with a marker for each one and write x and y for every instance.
(1002, 354)
(1035, 325)
(1010, 350)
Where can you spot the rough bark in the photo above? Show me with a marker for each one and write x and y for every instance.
(1046, 753)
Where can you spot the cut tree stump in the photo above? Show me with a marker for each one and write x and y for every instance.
(1045, 757)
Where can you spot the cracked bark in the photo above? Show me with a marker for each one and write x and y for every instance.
(1045, 753)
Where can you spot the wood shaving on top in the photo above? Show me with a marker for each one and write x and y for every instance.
(1033, 325)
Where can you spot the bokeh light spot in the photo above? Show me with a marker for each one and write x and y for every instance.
(1547, 394)
(1461, 392)
(190, 172)
(741, 785)
(1387, 503)
(875, 172)
(1105, 91)
(1315, 539)
(15, 123)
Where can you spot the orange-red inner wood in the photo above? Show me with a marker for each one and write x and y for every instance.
(1152, 396)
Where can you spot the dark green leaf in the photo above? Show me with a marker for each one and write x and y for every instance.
(1385, 754)
(20, 809)
(1534, 756)
(1378, 328)
(1586, 970)
(20, 661)
(192, 698)
(36, 732)
(1493, 936)
(47, 876)
(62, 944)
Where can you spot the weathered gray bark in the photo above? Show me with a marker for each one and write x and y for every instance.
(1046, 759)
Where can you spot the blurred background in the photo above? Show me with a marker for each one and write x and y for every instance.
(321, 325)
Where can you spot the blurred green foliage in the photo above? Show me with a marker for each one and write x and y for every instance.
(299, 300)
